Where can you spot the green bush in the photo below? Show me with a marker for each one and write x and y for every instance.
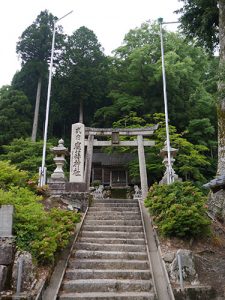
(11, 176)
(40, 232)
(27, 155)
(178, 210)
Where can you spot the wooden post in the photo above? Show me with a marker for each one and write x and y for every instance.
(93, 174)
(127, 183)
(110, 178)
(103, 175)
(142, 167)
(88, 161)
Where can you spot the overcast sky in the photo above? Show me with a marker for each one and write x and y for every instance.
(109, 19)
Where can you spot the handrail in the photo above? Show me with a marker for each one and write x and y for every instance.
(154, 239)
(147, 248)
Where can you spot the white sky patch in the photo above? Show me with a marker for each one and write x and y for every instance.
(109, 19)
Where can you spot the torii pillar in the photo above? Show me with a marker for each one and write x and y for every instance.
(142, 167)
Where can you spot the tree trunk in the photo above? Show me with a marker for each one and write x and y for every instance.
(36, 112)
(81, 113)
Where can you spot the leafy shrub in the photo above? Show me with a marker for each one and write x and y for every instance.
(27, 155)
(178, 209)
(40, 232)
(11, 176)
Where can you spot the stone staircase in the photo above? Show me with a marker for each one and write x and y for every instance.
(110, 260)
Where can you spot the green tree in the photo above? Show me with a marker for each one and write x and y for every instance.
(15, 115)
(26, 80)
(209, 29)
(190, 160)
(200, 20)
(26, 155)
(34, 48)
(11, 176)
(136, 78)
(81, 77)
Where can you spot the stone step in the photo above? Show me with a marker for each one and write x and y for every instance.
(108, 264)
(109, 260)
(83, 254)
(109, 247)
(113, 228)
(112, 234)
(108, 296)
(107, 274)
(112, 200)
(123, 209)
(99, 215)
(117, 204)
(113, 222)
(106, 285)
(111, 241)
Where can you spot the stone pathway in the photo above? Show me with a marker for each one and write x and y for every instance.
(110, 260)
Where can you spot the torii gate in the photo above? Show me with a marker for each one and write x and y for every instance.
(81, 137)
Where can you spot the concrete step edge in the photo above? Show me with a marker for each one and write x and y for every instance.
(120, 241)
(107, 270)
(110, 295)
(111, 252)
(104, 285)
(110, 245)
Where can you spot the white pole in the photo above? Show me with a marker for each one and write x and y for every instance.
(169, 173)
(42, 176)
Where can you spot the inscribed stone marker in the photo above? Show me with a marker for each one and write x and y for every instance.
(77, 153)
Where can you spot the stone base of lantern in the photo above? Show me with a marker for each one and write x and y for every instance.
(165, 176)
(57, 186)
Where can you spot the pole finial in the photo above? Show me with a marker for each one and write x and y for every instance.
(160, 20)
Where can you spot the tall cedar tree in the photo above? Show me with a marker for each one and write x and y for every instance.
(81, 79)
(34, 48)
(15, 112)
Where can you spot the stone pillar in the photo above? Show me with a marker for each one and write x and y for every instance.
(88, 162)
(77, 153)
(142, 167)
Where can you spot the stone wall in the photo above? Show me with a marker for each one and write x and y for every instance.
(216, 204)
(7, 245)
(74, 200)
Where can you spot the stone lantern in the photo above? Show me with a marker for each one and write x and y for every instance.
(60, 151)
(164, 155)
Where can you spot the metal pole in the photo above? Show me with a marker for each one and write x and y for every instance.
(180, 272)
(169, 175)
(19, 275)
(42, 173)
